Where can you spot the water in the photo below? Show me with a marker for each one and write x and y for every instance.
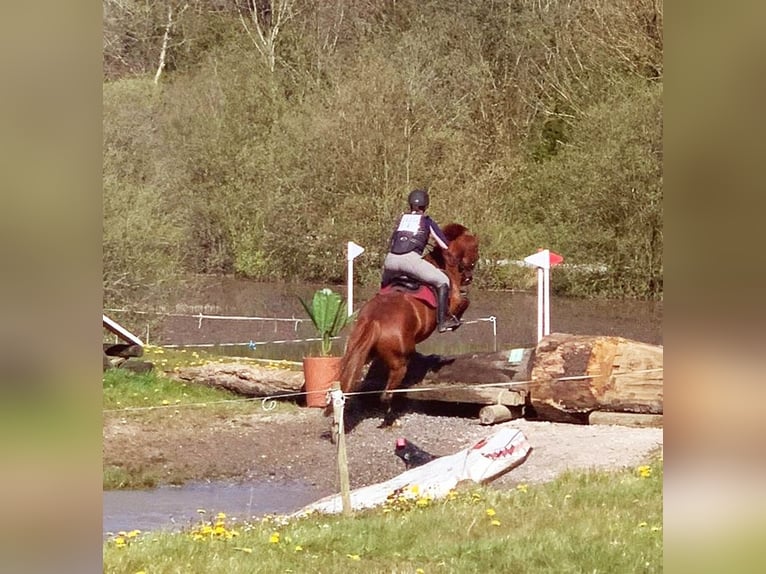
(514, 325)
(175, 507)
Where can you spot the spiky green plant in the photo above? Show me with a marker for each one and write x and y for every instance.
(328, 314)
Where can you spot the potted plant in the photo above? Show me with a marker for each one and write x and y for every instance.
(328, 313)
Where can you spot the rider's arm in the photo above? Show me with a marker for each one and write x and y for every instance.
(436, 232)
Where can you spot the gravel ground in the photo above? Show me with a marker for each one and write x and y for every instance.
(295, 446)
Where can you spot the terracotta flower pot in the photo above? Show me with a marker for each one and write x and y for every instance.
(319, 373)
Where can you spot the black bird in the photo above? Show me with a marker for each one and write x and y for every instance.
(412, 455)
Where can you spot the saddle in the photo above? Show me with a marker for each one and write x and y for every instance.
(410, 285)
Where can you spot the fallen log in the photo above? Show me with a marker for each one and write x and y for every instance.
(243, 379)
(563, 379)
(573, 375)
(480, 378)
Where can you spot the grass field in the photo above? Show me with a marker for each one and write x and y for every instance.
(582, 522)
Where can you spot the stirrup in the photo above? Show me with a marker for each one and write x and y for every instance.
(450, 324)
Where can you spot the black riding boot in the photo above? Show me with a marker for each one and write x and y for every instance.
(442, 305)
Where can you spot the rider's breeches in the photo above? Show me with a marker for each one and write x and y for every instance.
(413, 264)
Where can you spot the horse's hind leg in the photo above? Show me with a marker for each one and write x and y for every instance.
(397, 369)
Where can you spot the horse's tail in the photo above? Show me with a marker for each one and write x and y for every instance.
(363, 337)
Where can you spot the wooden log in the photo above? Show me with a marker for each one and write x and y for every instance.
(480, 378)
(493, 414)
(624, 419)
(243, 379)
(574, 375)
(125, 350)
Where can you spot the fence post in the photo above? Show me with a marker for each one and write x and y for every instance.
(338, 400)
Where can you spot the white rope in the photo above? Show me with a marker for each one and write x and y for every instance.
(269, 402)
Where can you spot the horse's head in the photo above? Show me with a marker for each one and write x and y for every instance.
(462, 255)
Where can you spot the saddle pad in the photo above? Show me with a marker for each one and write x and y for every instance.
(423, 293)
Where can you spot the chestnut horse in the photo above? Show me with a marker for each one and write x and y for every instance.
(390, 324)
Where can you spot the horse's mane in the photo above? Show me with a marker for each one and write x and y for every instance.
(454, 230)
(451, 231)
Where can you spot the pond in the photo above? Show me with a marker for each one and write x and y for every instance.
(176, 507)
(266, 320)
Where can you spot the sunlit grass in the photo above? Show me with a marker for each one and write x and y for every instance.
(582, 522)
(167, 359)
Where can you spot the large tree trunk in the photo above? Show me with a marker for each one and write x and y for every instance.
(564, 379)
(574, 375)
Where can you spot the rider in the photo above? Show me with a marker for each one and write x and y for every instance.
(405, 254)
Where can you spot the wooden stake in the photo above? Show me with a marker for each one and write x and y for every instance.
(338, 400)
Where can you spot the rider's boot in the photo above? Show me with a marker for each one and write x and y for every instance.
(442, 305)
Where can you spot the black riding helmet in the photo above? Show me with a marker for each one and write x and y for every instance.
(418, 198)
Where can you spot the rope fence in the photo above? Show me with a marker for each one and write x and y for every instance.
(269, 402)
(253, 344)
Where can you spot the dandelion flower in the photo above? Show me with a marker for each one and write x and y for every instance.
(644, 471)
(491, 512)
(354, 556)
(495, 523)
(274, 538)
(420, 571)
(298, 548)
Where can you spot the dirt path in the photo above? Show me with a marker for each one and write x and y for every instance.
(259, 445)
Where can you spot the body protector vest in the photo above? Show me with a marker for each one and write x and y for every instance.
(411, 234)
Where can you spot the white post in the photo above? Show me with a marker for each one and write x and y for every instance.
(540, 304)
(352, 252)
(546, 301)
(543, 260)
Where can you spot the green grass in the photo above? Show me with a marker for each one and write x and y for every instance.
(593, 522)
(149, 397)
(123, 389)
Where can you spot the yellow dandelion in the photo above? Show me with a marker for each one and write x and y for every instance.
(298, 548)
(491, 512)
(415, 489)
(274, 538)
(420, 571)
(644, 471)
(422, 502)
(133, 533)
(354, 556)
(495, 523)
